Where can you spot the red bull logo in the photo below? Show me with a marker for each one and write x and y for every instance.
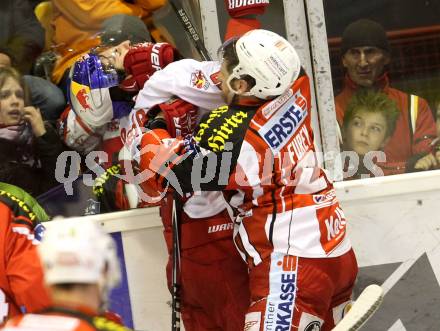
(215, 79)
(199, 80)
(82, 97)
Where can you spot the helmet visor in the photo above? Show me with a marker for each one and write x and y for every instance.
(228, 43)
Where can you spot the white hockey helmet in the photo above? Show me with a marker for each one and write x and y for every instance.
(76, 251)
(270, 59)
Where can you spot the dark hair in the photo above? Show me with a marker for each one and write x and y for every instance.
(231, 58)
(364, 33)
(9, 72)
(373, 101)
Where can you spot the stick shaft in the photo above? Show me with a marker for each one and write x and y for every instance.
(190, 30)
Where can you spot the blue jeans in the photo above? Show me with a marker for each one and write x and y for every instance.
(46, 96)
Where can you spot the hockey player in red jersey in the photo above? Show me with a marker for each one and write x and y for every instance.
(21, 276)
(213, 278)
(208, 253)
(260, 153)
(80, 268)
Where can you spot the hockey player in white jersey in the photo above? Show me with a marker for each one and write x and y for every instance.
(208, 255)
(213, 278)
(101, 87)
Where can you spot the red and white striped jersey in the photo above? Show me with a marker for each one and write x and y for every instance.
(287, 204)
(22, 286)
(262, 158)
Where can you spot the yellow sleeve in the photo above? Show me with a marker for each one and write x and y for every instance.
(89, 14)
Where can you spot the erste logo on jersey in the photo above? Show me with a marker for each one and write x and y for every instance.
(285, 121)
(199, 80)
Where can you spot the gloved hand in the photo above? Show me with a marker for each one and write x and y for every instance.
(179, 117)
(240, 8)
(142, 61)
(243, 16)
(158, 156)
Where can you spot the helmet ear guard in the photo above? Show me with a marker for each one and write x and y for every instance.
(268, 58)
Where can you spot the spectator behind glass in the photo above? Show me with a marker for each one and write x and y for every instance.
(44, 95)
(365, 56)
(20, 33)
(432, 160)
(29, 147)
(369, 122)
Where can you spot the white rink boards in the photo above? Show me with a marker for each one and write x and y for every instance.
(394, 225)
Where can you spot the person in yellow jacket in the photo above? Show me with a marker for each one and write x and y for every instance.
(77, 24)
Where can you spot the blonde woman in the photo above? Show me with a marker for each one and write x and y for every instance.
(29, 147)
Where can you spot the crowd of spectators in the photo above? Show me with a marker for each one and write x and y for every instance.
(411, 145)
(373, 116)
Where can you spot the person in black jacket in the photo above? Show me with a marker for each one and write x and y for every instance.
(29, 147)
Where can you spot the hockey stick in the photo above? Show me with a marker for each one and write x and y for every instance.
(363, 308)
(175, 316)
(190, 30)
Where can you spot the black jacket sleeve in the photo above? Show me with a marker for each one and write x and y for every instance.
(48, 147)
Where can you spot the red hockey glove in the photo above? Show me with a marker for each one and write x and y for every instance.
(143, 60)
(240, 8)
(158, 156)
(180, 117)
